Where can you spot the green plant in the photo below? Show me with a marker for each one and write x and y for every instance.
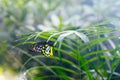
(80, 52)
(78, 55)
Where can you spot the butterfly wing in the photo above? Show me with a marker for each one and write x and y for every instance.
(48, 50)
(43, 48)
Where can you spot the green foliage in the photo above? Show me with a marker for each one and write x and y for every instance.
(74, 57)
(86, 39)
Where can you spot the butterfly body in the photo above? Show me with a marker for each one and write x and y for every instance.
(45, 48)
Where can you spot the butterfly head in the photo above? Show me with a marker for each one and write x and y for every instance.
(50, 43)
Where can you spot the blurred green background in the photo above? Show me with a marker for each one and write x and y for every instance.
(85, 32)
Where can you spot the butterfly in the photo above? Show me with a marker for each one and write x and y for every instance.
(45, 48)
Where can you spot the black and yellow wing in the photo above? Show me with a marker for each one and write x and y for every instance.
(45, 48)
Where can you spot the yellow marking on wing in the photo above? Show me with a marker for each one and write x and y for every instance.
(46, 45)
(51, 51)
(43, 47)
(50, 54)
